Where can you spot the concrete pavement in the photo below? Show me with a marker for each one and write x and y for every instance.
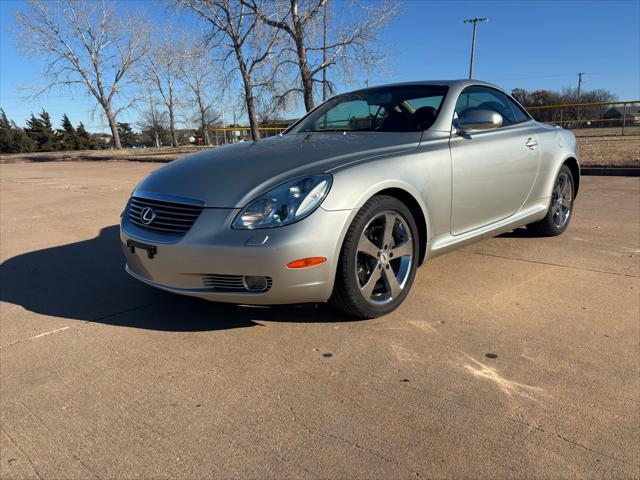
(515, 357)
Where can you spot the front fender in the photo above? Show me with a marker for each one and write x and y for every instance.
(424, 174)
(357, 197)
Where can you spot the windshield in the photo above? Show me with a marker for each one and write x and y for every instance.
(410, 108)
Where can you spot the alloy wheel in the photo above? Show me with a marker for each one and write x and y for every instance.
(561, 200)
(384, 257)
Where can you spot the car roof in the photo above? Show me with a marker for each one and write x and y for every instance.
(461, 83)
(455, 87)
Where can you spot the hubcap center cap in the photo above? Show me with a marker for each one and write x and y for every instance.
(384, 258)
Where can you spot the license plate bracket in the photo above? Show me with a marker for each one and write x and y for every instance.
(150, 249)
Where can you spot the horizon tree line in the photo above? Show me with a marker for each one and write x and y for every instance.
(40, 136)
(153, 125)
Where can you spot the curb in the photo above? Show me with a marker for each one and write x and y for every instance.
(611, 171)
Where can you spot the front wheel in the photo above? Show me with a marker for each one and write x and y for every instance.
(378, 260)
(560, 208)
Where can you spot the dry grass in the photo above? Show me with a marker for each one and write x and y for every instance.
(609, 151)
(164, 154)
(606, 132)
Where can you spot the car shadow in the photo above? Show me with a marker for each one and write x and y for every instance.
(86, 281)
(522, 232)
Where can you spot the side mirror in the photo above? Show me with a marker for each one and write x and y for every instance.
(478, 120)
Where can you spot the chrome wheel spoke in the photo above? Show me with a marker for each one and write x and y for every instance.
(562, 194)
(389, 223)
(392, 282)
(384, 257)
(557, 191)
(403, 249)
(367, 288)
(367, 246)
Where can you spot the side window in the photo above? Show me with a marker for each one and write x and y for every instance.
(484, 98)
(354, 115)
(519, 114)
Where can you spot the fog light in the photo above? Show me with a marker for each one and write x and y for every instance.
(255, 283)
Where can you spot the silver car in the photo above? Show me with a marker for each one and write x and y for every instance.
(351, 199)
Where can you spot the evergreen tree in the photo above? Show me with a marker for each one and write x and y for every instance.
(4, 121)
(85, 141)
(68, 136)
(41, 132)
(128, 137)
(12, 138)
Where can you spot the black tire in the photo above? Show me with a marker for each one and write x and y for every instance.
(548, 226)
(347, 295)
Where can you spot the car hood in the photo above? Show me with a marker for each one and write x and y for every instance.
(231, 176)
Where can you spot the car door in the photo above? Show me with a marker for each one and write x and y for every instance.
(493, 171)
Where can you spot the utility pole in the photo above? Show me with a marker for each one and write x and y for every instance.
(579, 112)
(224, 128)
(580, 74)
(475, 22)
(324, 52)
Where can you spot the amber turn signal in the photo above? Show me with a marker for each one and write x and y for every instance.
(306, 262)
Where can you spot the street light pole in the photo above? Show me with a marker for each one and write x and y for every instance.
(475, 22)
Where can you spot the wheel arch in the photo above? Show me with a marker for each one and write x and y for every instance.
(574, 166)
(416, 210)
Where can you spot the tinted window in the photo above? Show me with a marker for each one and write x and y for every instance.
(409, 108)
(484, 98)
(519, 114)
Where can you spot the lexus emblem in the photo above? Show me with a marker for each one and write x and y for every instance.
(147, 215)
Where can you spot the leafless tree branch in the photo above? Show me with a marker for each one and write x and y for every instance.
(86, 45)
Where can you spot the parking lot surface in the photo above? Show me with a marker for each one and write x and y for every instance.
(515, 357)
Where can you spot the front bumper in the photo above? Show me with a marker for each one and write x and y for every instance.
(211, 246)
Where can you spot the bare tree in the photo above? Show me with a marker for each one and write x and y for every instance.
(304, 23)
(85, 45)
(238, 30)
(153, 118)
(198, 76)
(163, 67)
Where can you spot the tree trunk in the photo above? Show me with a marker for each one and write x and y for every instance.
(172, 127)
(305, 73)
(207, 140)
(307, 87)
(113, 125)
(157, 138)
(248, 93)
(203, 121)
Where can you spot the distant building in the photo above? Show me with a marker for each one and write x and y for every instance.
(102, 139)
(632, 114)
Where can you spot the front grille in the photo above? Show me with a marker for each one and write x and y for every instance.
(167, 217)
(230, 283)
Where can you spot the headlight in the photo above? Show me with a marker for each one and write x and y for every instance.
(285, 204)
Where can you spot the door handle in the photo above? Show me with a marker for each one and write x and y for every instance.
(531, 143)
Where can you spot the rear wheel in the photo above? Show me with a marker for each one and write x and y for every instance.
(560, 208)
(378, 260)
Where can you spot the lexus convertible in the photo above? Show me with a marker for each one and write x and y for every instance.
(347, 203)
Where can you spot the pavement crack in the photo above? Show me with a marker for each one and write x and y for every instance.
(367, 450)
(595, 451)
(132, 309)
(15, 444)
(556, 265)
(343, 440)
(83, 323)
